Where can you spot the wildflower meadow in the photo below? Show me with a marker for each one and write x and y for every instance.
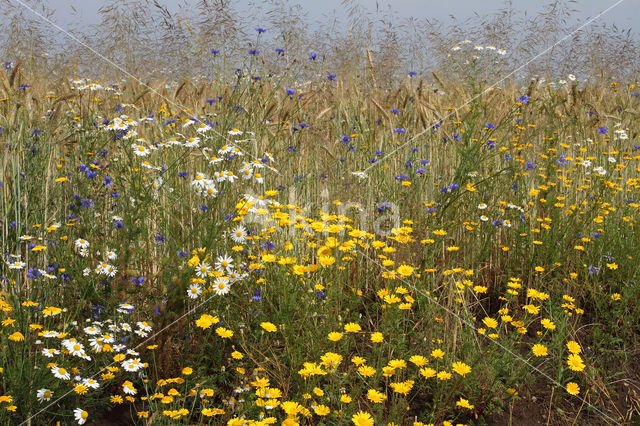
(299, 234)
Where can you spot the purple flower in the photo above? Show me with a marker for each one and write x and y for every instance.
(313, 56)
(529, 165)
(524, 99)
(331, 76)
(257, 296)
(279, 51)
(394, 110)
(261, 30)
(401, 177)
(602, 130)
(253, 52)
(290, 91)
(489, 126)
(412, 73)
(215, 51)
(399, 130)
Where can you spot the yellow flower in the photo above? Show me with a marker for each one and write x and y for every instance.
(539, 350)
(205, 321)
(269, 327)
(405, 270)
(427, 372)
(322, 410)
(575, 362)
(375, 396)
(418, 360)
(444, 375)
(464, 403)
(437, 353)
(16, 337)
(362, 418)
(612, 266)
(345, 399)
(334, 336)
(377, 337)
(573, 388)
(461, 368)
(490, 322)
(402, 388)
(236, 355)
(187, 371)
(366, 371)
(224, 333)
(352, 327)
(574, 347)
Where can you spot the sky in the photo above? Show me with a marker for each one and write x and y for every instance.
(625, 15)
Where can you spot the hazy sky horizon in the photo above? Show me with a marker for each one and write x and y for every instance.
(624, 15)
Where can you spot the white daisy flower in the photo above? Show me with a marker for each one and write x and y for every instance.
(44, 395)
(80, 416)
(60, 373)
(194, 291)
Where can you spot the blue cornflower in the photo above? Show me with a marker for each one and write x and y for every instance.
(401, 177)
(257, 296)
(33, 273)
(394, 110)
(23, 86)
(529, 165)
(107, 181)
(524, 99)
(399, 130)
(137, 280)
(86, 202)
(160, 238)
(412, 73)
(313, 56)
(562, 160)
(183, 174)
(261, 30)
(279, 51)
(182, 253)
(421, 171)
(345, 139)
(602, 130)
(215, 51)
(253, 52)
(331, 76)
(489, 126)
(290, 91)
(211, 101)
